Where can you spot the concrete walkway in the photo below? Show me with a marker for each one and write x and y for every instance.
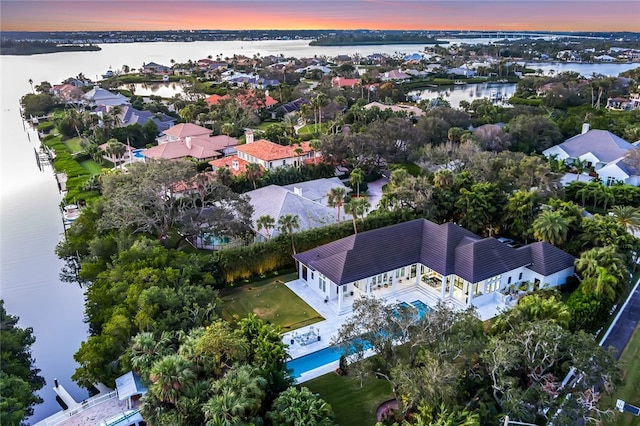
(624, 324)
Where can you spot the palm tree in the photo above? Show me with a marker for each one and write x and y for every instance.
(267, 223)
(356, 178)
(601, 284)
(357, 208)
(254, 173)
(443, 179)
(287, 224)
(580, 166)
(146, 350)
(237, 398)
(290, 121)
(551, 226)
(224, 176)
(168, 376)
(116, 150)
(627, 216)
(300, 407)
(31, 84)
(335, 198)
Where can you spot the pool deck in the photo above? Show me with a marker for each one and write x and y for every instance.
(305, 338)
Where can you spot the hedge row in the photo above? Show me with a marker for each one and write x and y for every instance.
(240, 263)
(514, 100)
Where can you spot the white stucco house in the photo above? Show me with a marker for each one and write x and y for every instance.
(271, 155)
(602, 151)
(446, 261)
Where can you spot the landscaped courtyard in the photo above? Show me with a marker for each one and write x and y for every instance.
(270, 300)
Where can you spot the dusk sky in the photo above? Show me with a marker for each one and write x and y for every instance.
(552, 15)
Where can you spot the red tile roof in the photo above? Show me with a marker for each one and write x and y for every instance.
(179, 149)
(344, 82)
(268, 151)
(215, 99)
(186, 129)
(228, 163)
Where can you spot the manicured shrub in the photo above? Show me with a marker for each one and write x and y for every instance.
(46, 127)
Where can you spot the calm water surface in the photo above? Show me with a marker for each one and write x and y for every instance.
(30, 222)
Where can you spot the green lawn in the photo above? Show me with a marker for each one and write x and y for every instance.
(309, 129)
(92, 167)
(73, 144)
(351, 404)
(271, 301)
(630, 361)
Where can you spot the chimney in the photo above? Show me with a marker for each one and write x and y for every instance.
(297, 191)
(235, 165)
(585, 128)
(249, 136)
(266, 93)
(187, 142)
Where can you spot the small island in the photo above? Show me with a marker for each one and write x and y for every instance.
(36, 47)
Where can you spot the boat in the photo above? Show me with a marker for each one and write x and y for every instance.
(495, 96)
(70, 212)
(459, 83)
(108, 74)
(165, 78)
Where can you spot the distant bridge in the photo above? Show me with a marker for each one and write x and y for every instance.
(510, 34)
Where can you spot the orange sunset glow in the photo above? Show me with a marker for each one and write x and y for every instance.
(99, 15)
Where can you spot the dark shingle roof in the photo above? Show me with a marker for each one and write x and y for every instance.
(446, 248)
(547, 259)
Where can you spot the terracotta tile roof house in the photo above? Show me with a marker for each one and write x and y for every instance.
(277, 201)
(445, 261)
(236, 165)
(191, 140)
(67, 92)
(394, 75)
(154, 68)
(215, 99)
(271, 155)
(344, 82)
(249, 100)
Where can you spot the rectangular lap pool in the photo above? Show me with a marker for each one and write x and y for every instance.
(331, 354)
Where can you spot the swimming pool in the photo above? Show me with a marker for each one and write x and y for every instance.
(137, 153)
(332, 353)
(419, 305)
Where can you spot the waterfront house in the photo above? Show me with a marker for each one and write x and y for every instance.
(271, 155)
(99, 96)
(154, 68)
(394, 75)
(444, 261)
(130, 116)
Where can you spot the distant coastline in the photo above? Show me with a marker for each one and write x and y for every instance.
(357, 40)
(26, 48)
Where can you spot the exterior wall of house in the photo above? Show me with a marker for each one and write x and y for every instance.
(553, 280)
(611, 174)
(556, 150)
(270, 165)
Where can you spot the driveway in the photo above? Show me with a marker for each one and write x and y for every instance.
(375, 192)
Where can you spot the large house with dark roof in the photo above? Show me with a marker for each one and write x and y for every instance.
(446, 261)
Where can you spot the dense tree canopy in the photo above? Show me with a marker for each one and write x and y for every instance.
(19, 379)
